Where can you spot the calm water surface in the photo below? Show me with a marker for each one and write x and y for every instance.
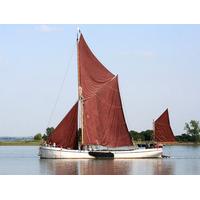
(25, 160)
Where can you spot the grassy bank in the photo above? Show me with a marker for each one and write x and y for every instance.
(20, 143)
(182, 143)
(168, 143)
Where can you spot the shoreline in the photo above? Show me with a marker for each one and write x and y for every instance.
(38, 142)
(20, 143)
(168, 143)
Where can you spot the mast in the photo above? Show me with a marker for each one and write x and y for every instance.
(80, 97)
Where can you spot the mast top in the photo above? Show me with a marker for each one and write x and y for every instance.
(78, 33)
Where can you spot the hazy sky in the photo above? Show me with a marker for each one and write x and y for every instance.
(158, 67)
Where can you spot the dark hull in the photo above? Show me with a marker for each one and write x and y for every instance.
(100, 154)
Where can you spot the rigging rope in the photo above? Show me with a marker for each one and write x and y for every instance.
(61, 87)
(124, 107)
(126, 114)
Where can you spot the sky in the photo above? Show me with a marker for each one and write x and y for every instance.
(158, 68)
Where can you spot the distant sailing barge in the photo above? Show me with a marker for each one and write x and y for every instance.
(98, 113)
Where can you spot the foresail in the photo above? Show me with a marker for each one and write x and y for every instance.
(163, 131)
(103, 117)
(65, 134)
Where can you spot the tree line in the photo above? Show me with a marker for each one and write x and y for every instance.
(191, 134)
(40, 136)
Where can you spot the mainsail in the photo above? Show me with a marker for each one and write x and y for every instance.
(65, 134)
(163, 131)
(103, 117)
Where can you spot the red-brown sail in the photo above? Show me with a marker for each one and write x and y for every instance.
(103, 117)
(92, 74)
(163, 131)
(104, 122)
(65, 134)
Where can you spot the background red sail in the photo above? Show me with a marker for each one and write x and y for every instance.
(163, 131)
(65, 134)
(103, 118)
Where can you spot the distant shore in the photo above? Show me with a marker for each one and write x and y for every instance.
(181, 143)
(20, 143)
(38, 142)
(169, 143)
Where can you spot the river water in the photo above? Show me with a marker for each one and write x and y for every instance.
(22, 160)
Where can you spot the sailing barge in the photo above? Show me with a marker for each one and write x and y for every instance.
(98, 114)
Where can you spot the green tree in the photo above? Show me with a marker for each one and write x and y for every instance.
(38, 136)
(136, 136)
(193, 129)
(183, 138)
(49, 130)
(147, 135)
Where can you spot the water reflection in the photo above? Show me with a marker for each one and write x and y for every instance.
(25, 160)
(106, 167)
(163, 167)
(85, 167)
